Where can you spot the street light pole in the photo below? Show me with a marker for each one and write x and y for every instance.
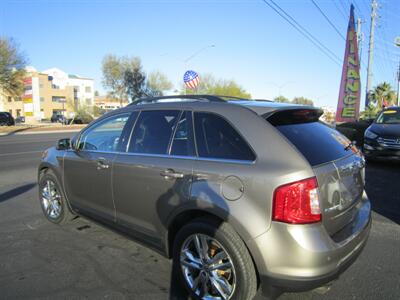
(279, 86)
(197, 53)
(185, 61)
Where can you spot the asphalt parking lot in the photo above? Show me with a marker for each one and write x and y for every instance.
(83, 260)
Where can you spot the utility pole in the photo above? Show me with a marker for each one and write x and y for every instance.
(398, 86)
(374, 14)
(397, 44)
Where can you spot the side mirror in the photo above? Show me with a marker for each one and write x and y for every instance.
(64, 144)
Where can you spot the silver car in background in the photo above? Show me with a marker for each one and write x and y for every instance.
(241, 194)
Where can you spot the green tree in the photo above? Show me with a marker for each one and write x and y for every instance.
(134, 79)
(12, 67)
(281, 99)
(113, 69)
(222, 87)
(370, 112)
(382, 93)
(303, 101)
(158, 83)
(124, 77)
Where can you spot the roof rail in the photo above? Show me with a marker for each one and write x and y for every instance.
(209, 98)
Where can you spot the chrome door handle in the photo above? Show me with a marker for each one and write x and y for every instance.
(101, 164)
(170, 173)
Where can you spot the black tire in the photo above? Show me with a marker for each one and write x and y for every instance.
(223, 233)
(66, 214)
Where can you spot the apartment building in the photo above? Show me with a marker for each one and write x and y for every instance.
(48, 92)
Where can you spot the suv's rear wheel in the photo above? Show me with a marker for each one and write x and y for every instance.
(52, 200)
(213, 261)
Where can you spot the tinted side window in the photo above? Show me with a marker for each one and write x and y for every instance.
(182, 144)
(316, 141)
(153, 131)
(216, 138)
(104, 136)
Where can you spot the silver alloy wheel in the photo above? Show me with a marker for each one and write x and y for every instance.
(207, 267)
(51, 200)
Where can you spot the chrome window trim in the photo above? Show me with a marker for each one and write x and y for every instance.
(220, 160)
(234, 161)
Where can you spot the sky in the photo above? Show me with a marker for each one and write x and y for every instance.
(253, 45)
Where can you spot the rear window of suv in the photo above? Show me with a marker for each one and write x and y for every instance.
(318, 142)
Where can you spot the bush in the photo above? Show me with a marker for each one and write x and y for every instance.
(82, 116)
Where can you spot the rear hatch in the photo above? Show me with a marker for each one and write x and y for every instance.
(337, 164)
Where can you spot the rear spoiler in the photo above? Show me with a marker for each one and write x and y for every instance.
(295, 115)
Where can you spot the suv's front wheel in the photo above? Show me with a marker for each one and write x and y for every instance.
(52, 200)
(213, 261)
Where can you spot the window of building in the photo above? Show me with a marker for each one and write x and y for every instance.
(105, 135)
(42, 99)
(18, 112)
(216, 138)
(9, 98)
(88, 101)
(55, 86)
(17, 99)
(58, 99)
(88, 89)
(153, 131)
(182, 144)
(40, 85)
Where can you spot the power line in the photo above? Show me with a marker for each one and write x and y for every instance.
(328, 20)
(382, 27)
(281, 12)
(359, 10)
(343, 7)
(341, 12)
(366, 5)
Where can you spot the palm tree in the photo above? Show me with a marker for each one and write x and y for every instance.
(382, 95)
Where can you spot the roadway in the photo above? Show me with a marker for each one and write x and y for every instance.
(83, 260)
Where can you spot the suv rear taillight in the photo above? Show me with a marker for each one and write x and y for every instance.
(297, 202)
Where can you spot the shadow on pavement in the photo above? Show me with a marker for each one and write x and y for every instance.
(19, 130)
(382, 186)
(16, 191)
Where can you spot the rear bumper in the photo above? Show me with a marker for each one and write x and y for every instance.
(303, 257)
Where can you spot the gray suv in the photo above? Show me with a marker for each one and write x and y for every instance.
(241, 194)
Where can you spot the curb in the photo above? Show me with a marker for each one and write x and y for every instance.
(38, 132)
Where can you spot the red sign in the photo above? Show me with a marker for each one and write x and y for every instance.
(27, 81)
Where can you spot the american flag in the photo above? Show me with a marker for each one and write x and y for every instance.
(191, 79)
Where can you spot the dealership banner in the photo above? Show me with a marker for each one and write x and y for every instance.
(348, 107)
